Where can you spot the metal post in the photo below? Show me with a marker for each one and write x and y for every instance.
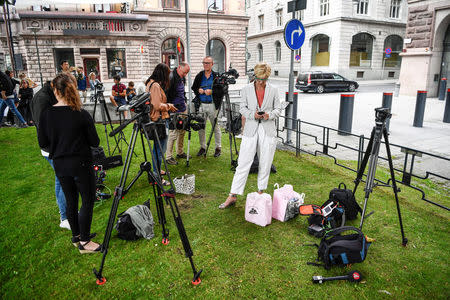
(397, 89)
(288, 121)
(420, 108)
(447, 108)
(188, 53)
(36, 29)
(387, 102)
(442, 88)
(346, 114)
(8, 40)
(291, 73)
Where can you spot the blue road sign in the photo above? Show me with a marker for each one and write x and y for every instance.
(388, 55)
(294, 34)
(297, 57)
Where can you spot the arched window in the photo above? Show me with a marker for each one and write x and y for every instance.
(394, 42)
(361, 50)
(277, 51)
(217, 52)
(169, 53)
(260, 52)
(320, 50)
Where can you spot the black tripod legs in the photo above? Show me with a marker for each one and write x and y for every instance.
(394, 186)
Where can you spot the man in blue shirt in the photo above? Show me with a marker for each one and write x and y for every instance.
(202, 88)
(82, 83)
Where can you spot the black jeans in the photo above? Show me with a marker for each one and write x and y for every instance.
(83, 184)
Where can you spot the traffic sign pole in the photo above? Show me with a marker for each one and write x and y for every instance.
(291, 87)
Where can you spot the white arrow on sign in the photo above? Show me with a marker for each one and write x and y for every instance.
(299, 31)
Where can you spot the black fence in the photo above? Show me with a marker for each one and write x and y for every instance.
(316, 140)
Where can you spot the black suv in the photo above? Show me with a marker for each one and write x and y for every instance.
(320, 82)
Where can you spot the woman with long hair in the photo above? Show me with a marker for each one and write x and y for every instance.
(260, 106)
(156, 84)
(69, 132)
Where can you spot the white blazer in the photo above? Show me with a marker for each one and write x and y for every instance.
(249, 106)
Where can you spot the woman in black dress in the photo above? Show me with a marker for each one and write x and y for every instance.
(69, 132)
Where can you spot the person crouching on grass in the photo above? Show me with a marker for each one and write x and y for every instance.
(260, 106)
(69, 132)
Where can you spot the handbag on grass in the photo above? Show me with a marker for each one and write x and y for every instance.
(286, 202)
(258, 208)
(185, 184)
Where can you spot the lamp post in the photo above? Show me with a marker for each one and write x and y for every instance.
(35, 30)
(214, 7)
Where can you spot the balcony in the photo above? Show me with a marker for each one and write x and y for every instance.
(84, 24)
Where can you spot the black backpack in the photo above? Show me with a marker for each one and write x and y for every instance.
(125, 228)
(345, 197)
(337, 249)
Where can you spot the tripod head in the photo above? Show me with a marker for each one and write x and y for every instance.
(382, 114)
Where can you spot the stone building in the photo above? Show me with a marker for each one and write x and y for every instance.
(126, 40)
(426, 57)
(344, 36)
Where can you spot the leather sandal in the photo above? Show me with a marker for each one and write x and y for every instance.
(231, 203)
(84, 250)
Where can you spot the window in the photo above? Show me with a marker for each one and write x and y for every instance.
(279, 14)
(337, 77)
(363, 7)
(101, 8)
(115, 59)
(360, 74)
(61, 54)
(394, 60)
(218, 54)
(169, 53)
(219, 4)
(277, 51)
(171, 4)
(261, 22)
(324, 7)
(394, 12)
(361, 50)
(320, 50)
(299, 14)
(260, 52)
(327, 76)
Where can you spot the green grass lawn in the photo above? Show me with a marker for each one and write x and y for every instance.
(239, 259)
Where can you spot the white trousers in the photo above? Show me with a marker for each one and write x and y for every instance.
(209, 109)
(265, 145)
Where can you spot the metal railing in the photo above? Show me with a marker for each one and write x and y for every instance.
(322, 136)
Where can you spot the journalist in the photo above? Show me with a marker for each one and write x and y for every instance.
(155, 85)
(260, 105)
(202, 88)
(69, 132)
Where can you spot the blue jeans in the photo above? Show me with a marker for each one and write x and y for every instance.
(158, 152)
(60, 198)
(12, 107)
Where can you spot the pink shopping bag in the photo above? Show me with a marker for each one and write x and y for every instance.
(258, 209)
(281, 198)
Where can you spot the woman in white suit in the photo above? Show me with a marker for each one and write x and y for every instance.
(260, 106)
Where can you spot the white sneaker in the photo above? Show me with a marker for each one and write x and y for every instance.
(65, 224)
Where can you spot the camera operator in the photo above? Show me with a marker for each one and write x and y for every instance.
(202, 88)
(155, 84)
(260, 106)
(177, 97)
(69, 133)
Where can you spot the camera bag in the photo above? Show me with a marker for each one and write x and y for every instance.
(345, 197)
(135, 222)
(337, 249)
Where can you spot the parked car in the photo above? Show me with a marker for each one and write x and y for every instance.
(320, 82)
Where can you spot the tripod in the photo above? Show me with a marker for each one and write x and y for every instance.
(229, 127)
(371, 156)
(144, 127)
(106, 119)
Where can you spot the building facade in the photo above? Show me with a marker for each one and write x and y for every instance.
(426, 57)
(122, 39)
(344, 36)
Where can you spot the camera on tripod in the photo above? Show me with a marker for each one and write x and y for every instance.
(140, 103)
(382, 114)
(99, 87)
(193, 121)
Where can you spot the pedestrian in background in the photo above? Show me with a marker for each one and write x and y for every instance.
(118, 94)
(131, 91)
(7, 99)
(31, 83)
(25, 96)
(81, 83)
(260, 105)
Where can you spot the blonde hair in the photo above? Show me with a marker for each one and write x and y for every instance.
(92, 74)
(262, 70)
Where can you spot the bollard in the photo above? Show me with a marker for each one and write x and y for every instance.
(397, 89)
(346, 114)
(420, 108)
(387, 103)
(442, 88)
(447, 108)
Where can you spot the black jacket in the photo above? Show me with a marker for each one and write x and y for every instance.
(6, 84)
(196, 86)
(41, 101)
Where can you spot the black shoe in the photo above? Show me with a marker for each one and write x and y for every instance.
(84, 250)
(183, 156)
(201, 152)
(171, 161)
(218, 152)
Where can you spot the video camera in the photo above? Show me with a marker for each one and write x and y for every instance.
(228, 77)
(187, 121)
(140, 103)
(382, 114)
(99, 87)
(220, 84)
